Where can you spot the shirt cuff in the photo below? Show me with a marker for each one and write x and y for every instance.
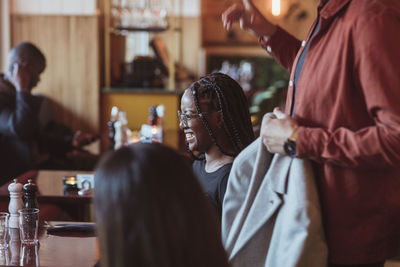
(307, 144)
(267, 42)
(275, 41)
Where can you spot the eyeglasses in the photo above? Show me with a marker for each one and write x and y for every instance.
(184, 118)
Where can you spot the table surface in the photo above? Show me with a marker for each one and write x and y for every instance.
(53, 203)
(52, 250)
(50, 186)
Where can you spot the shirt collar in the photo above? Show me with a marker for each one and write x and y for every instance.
(330, 8)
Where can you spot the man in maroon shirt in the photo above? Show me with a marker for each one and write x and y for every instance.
(342, 112)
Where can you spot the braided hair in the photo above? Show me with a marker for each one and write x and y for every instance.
(226, 96)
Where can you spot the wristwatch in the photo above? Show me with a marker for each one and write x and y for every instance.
(290, 145)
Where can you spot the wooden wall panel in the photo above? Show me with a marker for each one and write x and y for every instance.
(4, 33)
(54, 7)
(71, 79)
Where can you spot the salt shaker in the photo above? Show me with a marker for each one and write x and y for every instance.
(14, 246)
(15, 204)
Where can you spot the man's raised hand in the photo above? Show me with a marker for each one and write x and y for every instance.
(249, 18)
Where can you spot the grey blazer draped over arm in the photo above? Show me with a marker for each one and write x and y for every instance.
(271, 214)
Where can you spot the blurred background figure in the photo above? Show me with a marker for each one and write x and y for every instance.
(150, 211)
(29, 137)
(215, 118)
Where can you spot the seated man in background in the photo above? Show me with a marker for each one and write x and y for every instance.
(26, 139)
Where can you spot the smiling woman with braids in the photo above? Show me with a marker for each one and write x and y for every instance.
(215, 118)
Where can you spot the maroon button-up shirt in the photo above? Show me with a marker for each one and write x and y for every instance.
(348, 105)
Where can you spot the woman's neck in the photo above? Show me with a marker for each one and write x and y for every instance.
(215, 159)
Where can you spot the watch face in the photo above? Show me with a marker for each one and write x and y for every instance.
(290, 148)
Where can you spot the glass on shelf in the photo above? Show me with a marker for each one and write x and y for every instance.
(126, 13)
(116, 10)
(140, 14)
(116, 16)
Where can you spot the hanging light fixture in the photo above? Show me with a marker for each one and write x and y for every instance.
(276, 7)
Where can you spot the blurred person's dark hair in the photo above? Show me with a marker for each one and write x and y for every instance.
(150, 211)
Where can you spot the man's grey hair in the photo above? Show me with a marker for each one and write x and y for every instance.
(26, 53)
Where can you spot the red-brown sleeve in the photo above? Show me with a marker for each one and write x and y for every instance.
(282, 46)
(377, 70)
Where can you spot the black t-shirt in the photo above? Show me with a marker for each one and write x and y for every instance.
(213, 183)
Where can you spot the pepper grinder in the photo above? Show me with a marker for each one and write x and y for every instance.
(30, 190)
(15, 204)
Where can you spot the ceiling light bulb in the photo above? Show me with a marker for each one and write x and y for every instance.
(276, 7)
